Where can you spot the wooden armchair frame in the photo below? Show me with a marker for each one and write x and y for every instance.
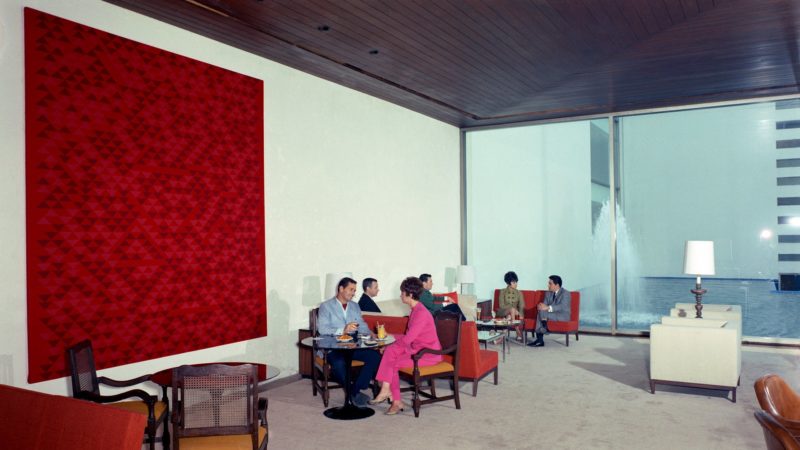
(86, 386)
(448, 328)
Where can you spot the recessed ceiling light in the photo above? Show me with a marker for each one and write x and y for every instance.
(323, 28)
(373, 52)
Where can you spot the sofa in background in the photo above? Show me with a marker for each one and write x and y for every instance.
(36, 421)
(533, 298)
(395, 307)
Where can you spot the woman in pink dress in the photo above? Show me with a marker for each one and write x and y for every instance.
(421, 333)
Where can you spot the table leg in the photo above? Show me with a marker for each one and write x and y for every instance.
(349, 411)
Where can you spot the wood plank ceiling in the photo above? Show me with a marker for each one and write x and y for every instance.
(483, 62)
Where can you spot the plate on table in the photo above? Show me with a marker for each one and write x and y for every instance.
(344, 338)
(370, 342)
(381, 339)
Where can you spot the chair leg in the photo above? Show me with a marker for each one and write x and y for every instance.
(455, 393)
(432, 385)
(576, 336)
(417, 401)
(475, 388)
(567, 334)
(652, 387)
(165, 438)
(151, 437)
(495, 376)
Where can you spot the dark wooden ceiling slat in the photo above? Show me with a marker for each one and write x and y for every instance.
(476, 62)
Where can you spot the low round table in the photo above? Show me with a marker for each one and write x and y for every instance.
(504, 325)
(348, 411)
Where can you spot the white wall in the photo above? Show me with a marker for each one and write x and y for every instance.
(352, 183)
(529, 205)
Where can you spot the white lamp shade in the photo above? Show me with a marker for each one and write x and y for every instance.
(699, 258)
(465, 275)
(332, 281)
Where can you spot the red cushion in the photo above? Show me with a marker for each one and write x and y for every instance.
(392, 324)
(453, 296)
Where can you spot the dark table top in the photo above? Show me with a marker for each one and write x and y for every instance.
(331, 343)
(265, 372)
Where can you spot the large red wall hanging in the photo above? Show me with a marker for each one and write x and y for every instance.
(145, 199)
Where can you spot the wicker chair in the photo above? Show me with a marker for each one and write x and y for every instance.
(216, 406)
(448, 328)
(86, 386)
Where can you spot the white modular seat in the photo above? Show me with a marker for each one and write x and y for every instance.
(703, 353)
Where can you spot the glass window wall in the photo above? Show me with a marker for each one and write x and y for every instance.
(538, 202)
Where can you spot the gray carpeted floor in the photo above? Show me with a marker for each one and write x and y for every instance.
(591, 395)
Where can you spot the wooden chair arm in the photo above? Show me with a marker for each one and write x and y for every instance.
(445, 351)
(149, 400)
(124, 383)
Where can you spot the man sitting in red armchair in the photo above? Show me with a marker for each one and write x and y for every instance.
(556, 306)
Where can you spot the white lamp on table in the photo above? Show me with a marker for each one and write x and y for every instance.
(698, 261)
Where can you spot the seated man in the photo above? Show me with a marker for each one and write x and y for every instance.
(556, 306)
(339, 315)
(427, 299)
(366, 302)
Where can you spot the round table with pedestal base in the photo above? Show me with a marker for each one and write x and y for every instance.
(348, 411)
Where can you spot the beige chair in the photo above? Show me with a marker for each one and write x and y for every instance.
(701, 353)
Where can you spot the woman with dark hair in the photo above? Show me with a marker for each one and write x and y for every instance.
(510, 302)
(421, 333)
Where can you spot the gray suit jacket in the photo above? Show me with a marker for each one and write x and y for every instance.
(560, 303)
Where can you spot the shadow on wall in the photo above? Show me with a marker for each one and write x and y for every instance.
(7, 370)
(312, 291)
(270, 350)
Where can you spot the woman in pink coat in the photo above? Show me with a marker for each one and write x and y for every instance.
(421, 333)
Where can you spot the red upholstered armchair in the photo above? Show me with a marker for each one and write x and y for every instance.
(570, 326)
(475, 364)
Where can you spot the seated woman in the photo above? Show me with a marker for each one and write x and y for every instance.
(510, 301)
(421, 333)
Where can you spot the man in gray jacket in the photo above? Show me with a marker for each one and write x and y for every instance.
(556, 306)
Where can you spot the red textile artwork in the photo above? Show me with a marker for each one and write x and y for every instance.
(145, 199)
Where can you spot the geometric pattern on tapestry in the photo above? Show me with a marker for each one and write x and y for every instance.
(144, 199)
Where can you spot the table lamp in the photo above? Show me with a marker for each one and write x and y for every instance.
(465, 275)
(699, 260)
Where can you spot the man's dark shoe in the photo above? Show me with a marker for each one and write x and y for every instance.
(536, 343)
(359, 399)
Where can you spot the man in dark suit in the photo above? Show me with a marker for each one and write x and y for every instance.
(366, 302)
(556, 306)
